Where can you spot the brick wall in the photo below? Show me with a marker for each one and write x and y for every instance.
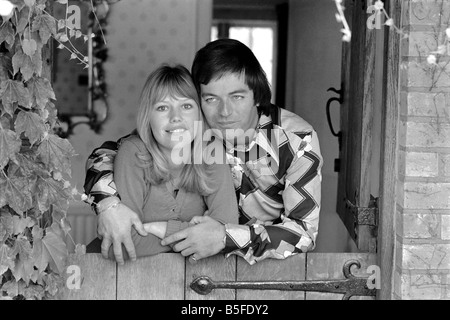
(422, 224)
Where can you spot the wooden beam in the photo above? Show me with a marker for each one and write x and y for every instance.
(389, 150)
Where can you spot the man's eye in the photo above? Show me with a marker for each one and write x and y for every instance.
(238, 97)
(210, 100)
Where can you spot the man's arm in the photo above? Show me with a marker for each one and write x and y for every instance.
(114, 222)
(297, 231)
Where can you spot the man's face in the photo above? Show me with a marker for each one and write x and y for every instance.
(229, 105)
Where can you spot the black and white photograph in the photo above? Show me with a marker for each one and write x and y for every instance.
(229, 157)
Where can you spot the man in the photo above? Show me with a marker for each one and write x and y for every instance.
(275, 162)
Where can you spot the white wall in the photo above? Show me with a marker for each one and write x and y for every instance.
(314, 65)
(141, 34)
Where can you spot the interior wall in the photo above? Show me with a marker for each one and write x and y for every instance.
(140, 35)
(314, 65)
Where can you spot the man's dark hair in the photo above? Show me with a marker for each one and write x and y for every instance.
(224, 56)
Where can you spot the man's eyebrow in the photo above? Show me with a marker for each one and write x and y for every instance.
(230, 93)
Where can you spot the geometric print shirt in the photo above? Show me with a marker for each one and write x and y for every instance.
(277, 180)
(278, 187)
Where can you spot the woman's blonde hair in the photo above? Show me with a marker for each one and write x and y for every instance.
(175, 82)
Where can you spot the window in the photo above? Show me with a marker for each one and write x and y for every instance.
(258, 36)
(262, 26)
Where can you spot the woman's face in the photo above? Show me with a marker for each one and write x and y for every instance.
(173, 121)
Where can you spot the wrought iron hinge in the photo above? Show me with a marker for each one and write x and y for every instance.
(350, 286)
(365, 215)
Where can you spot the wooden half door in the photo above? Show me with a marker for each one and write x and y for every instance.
(169, 276)
(360, 123)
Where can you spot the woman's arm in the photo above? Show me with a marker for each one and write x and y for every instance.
(131, 185)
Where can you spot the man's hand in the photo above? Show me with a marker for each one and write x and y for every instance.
(114, 226)
(204, 239)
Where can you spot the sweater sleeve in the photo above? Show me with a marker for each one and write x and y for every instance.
(132, 187)
(222, 204)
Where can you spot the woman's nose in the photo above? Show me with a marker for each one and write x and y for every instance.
(175, 115)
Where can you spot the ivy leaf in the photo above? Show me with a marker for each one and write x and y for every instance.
(17, 193)
(52, 283)
(9, 145)
(11, 288)
(29, 166)
(41, 90)
(7, 33)
(21, 223)
(23, 63)
(14, 91)
(31, 291)
(29, 47)
(30, 123)
(40, 259)
(23, 269)
(5, 66)
(22, 247)
(37, 232)
(5, 259)
(54, 250)
(51, 192)
(56, 153)
(6, 221)
(46, 26)
(52, 114)
(23, 20)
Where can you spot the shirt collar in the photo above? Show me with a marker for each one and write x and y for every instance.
(260, 139)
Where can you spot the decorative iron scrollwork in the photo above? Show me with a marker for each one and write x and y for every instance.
(350, 286)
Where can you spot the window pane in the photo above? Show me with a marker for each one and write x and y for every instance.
(260, 41)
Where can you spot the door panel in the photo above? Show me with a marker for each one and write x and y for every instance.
(169, 276)
(357, 126)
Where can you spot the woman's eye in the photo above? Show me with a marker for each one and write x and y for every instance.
(161, 108)
(187, 106)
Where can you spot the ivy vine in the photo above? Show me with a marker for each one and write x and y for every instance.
(35, 164)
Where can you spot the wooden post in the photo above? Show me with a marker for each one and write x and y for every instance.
(388, 173)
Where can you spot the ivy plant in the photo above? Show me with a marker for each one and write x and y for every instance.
(35, 163)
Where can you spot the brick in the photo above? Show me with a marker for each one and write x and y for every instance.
(426, 257)
(423, 74)
(421, 195)
(427, 104)
(421, 286)
(447, 287)
(397, 284)
(426, 12)
(445, 227)
(421, 226)
(445, 161)
(420, 164)
(427, 135)
(421, 43)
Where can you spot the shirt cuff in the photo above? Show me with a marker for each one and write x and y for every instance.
(237, 237)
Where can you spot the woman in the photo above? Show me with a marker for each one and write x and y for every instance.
(157, 173)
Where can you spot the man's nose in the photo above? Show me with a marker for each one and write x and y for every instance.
(225, 109)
